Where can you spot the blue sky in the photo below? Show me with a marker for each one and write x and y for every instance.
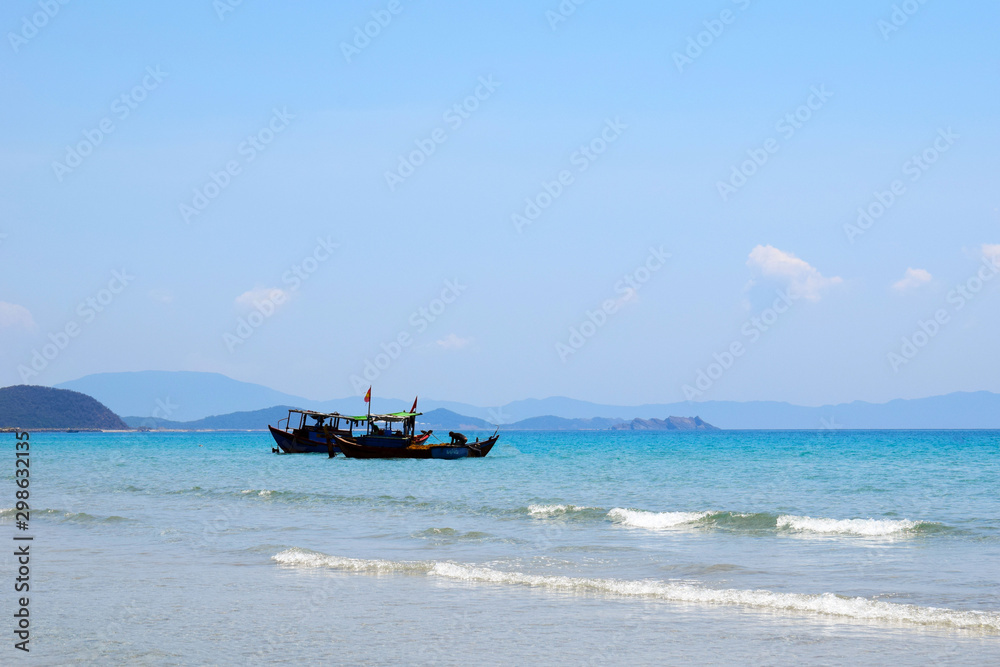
(638, 278)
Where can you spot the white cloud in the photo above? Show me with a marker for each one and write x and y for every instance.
(799, 277)
(251, 298)
(452, 342)
(912, 279)
(13, 315)
(991, 251)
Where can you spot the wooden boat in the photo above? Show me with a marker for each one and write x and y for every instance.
(316, 437)
(389, 442)
(368, 450)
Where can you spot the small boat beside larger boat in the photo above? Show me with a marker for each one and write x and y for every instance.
(387, 436)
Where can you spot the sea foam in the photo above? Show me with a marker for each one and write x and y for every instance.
(864, 527)
(654, 520)
(555, 510)
(826, 604)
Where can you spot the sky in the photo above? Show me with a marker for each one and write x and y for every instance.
(618, 202)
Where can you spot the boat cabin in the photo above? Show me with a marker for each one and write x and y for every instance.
(320, 426)
(393, 425)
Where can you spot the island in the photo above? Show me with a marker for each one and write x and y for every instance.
(34, 408)
(668, 424)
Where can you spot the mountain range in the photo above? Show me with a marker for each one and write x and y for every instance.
(184, 396)
(440, 420)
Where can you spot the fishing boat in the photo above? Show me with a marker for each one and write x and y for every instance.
(433, 450)
(314, 432)
(393, 436)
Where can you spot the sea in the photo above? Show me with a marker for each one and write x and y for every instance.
(559, 548)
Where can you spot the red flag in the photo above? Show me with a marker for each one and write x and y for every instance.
(368, 396)
(414, 408)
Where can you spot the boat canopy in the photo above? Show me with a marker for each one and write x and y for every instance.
(313, 413)
(396, 416)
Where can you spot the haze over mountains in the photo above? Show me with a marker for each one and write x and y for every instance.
(184, 396)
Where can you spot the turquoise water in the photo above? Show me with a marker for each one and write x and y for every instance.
(562, 548)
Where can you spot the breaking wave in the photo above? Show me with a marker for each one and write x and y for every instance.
(864, 527)
(556, 510)
(826, 604)
(763, 521)
(654, 520)
(767, 522)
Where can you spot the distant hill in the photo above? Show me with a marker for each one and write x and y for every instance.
(185, 396)
(179, 395)
(668, 424)
(31, 407)
(438, 420)
(254, 420)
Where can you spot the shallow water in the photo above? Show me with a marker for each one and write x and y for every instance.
(566, 548)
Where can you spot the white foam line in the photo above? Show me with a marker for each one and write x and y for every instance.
(306, 558)
(865, 527)
(552, 510)
(654, 520)
(826, 604)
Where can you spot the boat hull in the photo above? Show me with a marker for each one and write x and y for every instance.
(361, 450)
(290, 443)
